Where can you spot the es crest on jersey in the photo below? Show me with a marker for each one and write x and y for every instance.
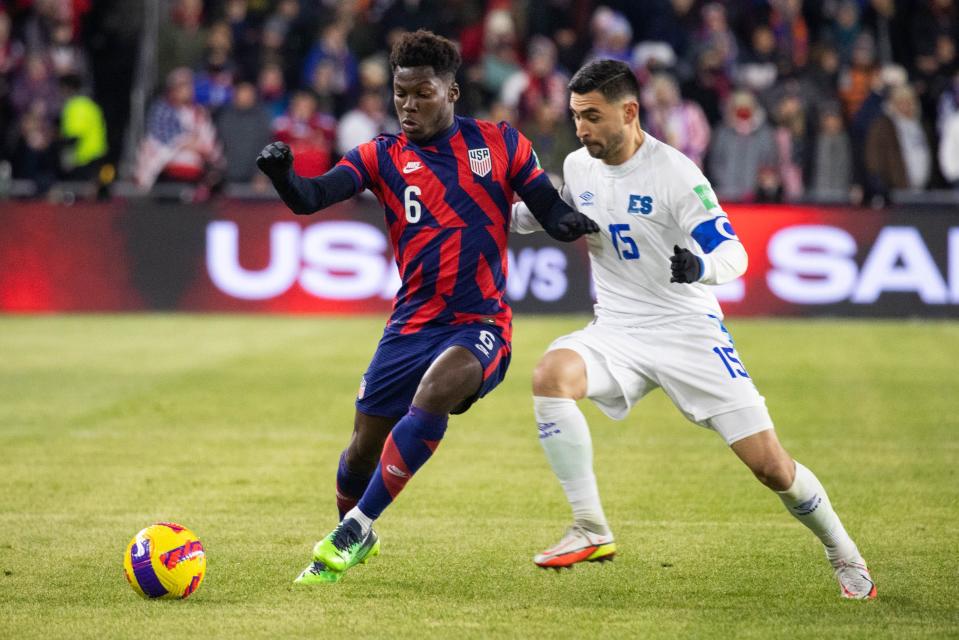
(640, 205)
(480, 161)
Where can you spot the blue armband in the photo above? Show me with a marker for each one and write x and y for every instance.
(712, 233)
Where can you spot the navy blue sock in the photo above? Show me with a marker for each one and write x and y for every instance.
(410, 444)
(350, 485)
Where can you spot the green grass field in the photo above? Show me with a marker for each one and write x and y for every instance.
(233, 425)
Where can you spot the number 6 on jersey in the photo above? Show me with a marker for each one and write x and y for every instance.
(412, 206)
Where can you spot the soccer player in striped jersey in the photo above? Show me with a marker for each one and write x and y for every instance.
(657, 324)
(446, 184)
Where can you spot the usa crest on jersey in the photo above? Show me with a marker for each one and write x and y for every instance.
(480, 161)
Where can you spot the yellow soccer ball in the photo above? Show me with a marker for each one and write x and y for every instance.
(165, 560)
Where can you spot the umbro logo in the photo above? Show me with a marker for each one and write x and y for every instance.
(586, 197)
(412, 166)
(396, 471)
(808, 506)
(547, 429)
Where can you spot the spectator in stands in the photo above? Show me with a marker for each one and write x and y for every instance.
(856, 81)
(948, 103)
(83, 132)
(375, 77)
(652, 57)
(742, 146)
(182, 39)
(843, 31)
(552, 137)
(935, 18)
(35, 83)
(934, 64)
(792, 35)
(272, 89)
(759, 69)
(884, 81)
(821, 77)
(244, 128)
(832, 161)
(898, 153)
(213, 81)
(245, 35)
(716, 35)
(949, 150)
(500, 59)
(710, 88)
(370, 118)
(326, 89)
(538, 82)
(885, 19)
(287, 37)
(308, 132)
(769, 187)
(791, 145)
(65, 55)
(34, 155)
(331, 49)
(612, 35)
(677, 122)
(181, 143)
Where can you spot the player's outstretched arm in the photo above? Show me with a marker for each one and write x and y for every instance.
(303, 195)
(557, 218)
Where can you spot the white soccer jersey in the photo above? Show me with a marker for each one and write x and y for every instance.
(645, 206)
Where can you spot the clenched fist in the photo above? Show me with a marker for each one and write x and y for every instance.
(275, 160)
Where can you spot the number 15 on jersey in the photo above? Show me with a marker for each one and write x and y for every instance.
(624, 245)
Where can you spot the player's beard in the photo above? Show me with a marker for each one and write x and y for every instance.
(610, 149)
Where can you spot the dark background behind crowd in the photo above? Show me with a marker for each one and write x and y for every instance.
(777, 100)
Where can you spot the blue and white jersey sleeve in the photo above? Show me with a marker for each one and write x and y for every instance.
(698, 213)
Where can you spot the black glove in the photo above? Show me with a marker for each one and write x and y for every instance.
(686, 265)
(275, 160)
(570, 226)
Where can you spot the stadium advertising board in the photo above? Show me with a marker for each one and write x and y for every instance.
(256, 257)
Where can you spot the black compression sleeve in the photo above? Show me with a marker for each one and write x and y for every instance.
(544, 203)
(307, 195)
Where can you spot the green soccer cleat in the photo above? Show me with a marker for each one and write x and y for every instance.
(317, 573)
(346, 547)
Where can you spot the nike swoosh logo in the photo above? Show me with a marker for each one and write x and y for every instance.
(396, 471)
(412, 169)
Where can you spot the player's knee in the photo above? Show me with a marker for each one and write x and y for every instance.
(361, 459)
(775, 472)
(441, 394)
(560, 376)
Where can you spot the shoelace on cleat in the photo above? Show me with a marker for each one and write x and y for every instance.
(344, 537)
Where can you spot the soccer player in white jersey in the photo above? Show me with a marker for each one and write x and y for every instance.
(663, 239)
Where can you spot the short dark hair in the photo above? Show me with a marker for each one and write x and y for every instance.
(612, 78)
(424, 48)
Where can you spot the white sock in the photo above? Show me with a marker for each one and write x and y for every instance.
(806, 499)
(564, 434)
(365, 522)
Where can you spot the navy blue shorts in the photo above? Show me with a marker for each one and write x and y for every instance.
(400, 361)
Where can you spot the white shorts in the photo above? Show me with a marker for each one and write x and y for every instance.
(692, 358)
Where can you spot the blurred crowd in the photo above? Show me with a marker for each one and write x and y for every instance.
(777, 100)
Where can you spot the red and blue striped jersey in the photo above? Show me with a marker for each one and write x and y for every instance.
(447, 203)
